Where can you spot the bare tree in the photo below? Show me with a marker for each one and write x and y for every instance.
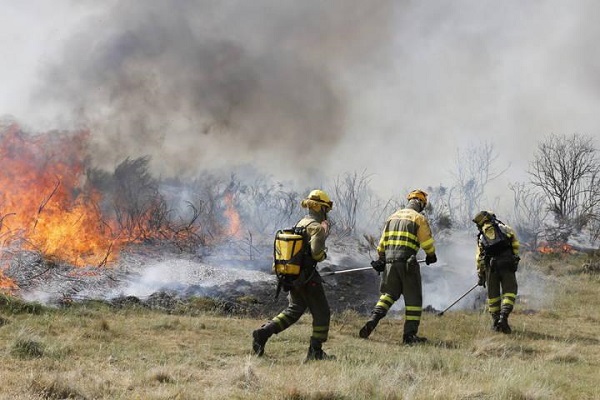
(438, 209)
(567, 170)
(474, 169)
(268, 206)
(595, 229)
(529, 213)
(206, 193)
(350, 191)
(378, 209)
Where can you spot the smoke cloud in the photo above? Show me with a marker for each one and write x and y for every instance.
(298, 87)
(204, 83)
(216, 83)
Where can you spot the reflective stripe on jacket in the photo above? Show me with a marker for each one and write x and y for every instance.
(405, 232)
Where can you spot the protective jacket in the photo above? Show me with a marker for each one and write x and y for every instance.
(317, 234)
(497, 261)
(404, 233)
(495, 243)
(306, 290)
(310, 294)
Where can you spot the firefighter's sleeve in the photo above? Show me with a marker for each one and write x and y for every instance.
(317, 241)
(381, 245)
(424, 236)
(514, 241)
(480, 260)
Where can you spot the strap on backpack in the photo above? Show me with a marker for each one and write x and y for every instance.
(299, 281)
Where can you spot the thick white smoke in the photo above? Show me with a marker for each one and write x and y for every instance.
(205, 83)
(213, 84)
(309, 88)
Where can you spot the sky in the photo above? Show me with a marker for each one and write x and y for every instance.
(306, 90)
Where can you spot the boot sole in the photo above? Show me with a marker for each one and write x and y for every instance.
(326, 357)
(414, 341)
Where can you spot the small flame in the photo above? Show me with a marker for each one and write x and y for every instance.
(555, 248)
(232, 215)
(7, 285)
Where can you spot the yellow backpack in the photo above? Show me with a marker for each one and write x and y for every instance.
(291, 253)
(290, 249)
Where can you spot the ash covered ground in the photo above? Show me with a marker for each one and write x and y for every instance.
(240, 282)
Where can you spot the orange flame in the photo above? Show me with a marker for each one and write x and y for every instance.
(44, 203)
(7, 284)
(555, 248)
(48, 206)
(232, 215)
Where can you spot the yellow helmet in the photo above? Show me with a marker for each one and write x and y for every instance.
(419, 195)
(483, 216)
(319, 197)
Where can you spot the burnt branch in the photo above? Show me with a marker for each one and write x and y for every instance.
(45, 202)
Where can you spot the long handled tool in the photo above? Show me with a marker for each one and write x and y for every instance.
(343, 271)
(457, 300)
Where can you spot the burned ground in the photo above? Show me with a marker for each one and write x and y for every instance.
(229, 281)
(161, 279)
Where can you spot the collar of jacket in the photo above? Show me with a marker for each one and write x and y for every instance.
(316, 215)
(414, 205)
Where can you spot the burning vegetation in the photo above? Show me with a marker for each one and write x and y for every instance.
(45, 203)
(54, 204)
(556, 248)
(61, 210)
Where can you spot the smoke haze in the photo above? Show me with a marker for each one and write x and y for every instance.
(210, 84)
(199, 84)
(304, 87)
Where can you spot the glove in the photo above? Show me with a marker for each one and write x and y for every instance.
(378, 265)
(481, 281)
(430, 259)
(516, 260)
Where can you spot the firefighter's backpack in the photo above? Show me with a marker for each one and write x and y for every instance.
(498, 243)
(291, 252)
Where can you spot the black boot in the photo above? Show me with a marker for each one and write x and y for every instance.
(315, 351)
(260, 337)
(495, 319)
(369, 327)
(503, 324)
(412, 338)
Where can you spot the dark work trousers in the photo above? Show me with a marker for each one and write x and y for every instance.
(310, 295)
(402, 278)
(501, 286)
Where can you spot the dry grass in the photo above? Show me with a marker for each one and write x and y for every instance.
(90, 351)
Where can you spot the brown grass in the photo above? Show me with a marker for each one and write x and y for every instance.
(89, 351)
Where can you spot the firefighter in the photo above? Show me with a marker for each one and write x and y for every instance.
(307, 290)
(497, 262)
(404, 233)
